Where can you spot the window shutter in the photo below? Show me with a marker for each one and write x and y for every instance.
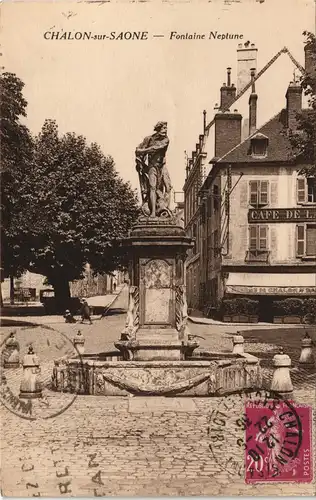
(263, 237)
(264, 193)
(274, 193)
(311, 240)
(301, 190)
(253, 231)
(300, 240)
(253, 193)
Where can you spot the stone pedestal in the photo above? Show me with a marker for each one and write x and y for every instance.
(31, 386)
(307, 357)
(238, 344)
(79, 342)
(281, 380)
(11, 352)
(156, 324)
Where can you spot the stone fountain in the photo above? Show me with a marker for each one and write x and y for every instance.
(156, 354)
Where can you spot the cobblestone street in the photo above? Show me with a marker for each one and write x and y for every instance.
(131, 445)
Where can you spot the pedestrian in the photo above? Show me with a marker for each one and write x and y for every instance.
(85, 311)
(69, 317)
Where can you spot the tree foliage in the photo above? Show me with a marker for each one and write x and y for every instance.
(304, 139)
(16, 156)
(63, 204)
(77, 208)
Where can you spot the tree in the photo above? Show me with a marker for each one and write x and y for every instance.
(304, 139)
(77, 209)
(16, 155)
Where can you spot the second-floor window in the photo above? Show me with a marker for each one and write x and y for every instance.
(195, 238)
(258, 238)
(258, 193)
(306, 190)
(306, 240)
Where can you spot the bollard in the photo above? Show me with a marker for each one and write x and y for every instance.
(281, 380)
(78, 342)
(31, 386)
(11, 352)
(238, 344)
(307, 358)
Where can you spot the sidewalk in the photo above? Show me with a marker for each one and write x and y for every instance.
(208, 321)
(103, 302)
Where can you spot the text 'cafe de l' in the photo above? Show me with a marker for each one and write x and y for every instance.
(282, 215)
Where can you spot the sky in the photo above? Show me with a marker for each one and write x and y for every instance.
(114, 92)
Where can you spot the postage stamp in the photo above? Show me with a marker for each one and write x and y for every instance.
(278, 441)
(262, 437)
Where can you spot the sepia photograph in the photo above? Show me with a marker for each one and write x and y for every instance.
(158, 248)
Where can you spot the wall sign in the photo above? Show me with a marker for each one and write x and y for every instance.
(282, 215)
(271, 290)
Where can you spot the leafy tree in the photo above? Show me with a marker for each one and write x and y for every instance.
(304, 139)
(16, 154)
(77, 209)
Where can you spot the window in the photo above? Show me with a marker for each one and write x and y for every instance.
(216, 244)
(214, 291)
(259, 193)
(258, 238)
(306, 190)
(194, 235)
(259, 145)
(306, 240)
(215, 197)
(311, 190)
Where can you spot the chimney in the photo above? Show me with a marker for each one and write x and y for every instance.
(310, 58)
(293, 104)
(204, 121)
(253, 104)
(228, 93)
(227, 132)
(246, 60)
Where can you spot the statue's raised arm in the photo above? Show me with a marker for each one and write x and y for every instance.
(154, 177)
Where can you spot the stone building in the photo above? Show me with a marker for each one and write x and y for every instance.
(254, 215)
(29, 285)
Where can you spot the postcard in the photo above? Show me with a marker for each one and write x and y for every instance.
(158, 248)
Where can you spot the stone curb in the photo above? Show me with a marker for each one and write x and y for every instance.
(206, 321)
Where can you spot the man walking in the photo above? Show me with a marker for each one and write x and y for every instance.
(85, 312)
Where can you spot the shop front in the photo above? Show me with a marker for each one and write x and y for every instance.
(274, 297)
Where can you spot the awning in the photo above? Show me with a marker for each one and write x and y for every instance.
(271, 284)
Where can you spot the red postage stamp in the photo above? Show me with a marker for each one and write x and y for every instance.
(278, 442)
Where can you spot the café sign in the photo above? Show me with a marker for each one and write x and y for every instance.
(282, 215)
(271, 290)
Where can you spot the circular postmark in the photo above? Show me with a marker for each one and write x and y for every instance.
(257, 435)
(30, 357)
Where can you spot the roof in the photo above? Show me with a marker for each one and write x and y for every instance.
(279, 149)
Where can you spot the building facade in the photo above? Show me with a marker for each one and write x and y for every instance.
(256, 214)
(195, 175)
(29, 285)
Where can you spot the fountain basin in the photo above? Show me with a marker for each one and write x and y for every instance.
(215, 374)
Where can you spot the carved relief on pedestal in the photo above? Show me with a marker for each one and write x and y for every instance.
(181, 310)
(156, 278)
(132, 317)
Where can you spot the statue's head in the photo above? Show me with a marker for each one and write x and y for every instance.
(161, 128)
